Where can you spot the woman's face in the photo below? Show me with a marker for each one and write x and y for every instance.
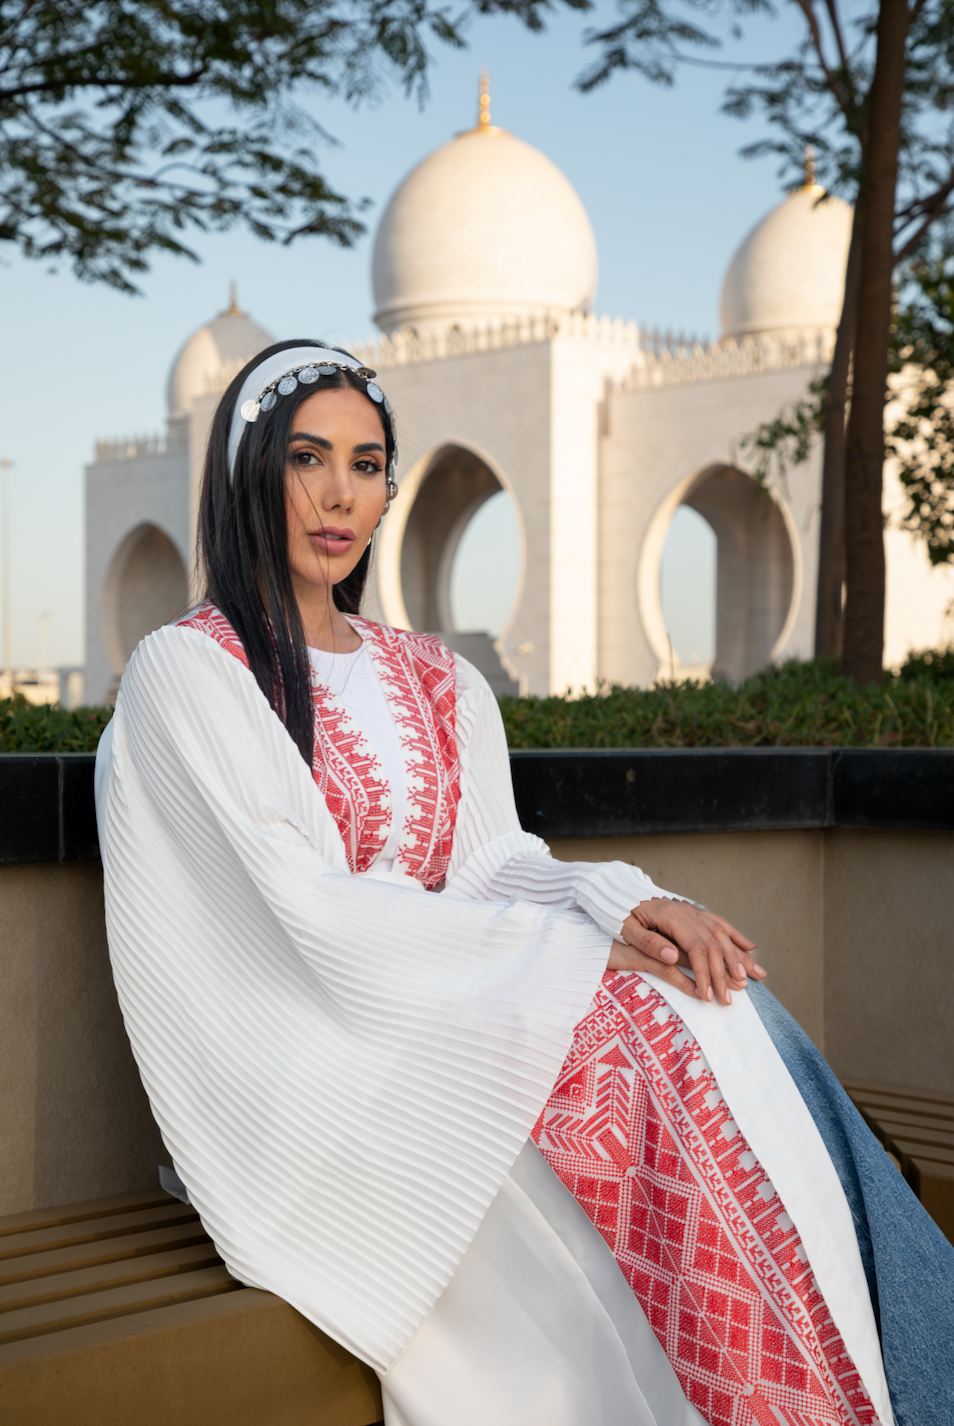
(335, 480)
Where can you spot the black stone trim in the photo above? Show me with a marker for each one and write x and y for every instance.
(639, 791)
(897, 787)
(47, 812)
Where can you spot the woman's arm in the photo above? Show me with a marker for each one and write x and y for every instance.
(494, 859)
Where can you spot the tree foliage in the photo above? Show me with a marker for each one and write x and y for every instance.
(922, 438)
(919, 409)
(126, 125)
(819, 95)
(870, 87)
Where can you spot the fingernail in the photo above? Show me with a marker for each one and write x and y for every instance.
(709, 993)
(728, 997)
(760, 970)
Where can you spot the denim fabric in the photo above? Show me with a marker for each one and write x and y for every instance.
(907, 1260)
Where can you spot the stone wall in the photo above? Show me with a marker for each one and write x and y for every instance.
(75, 1123)
(853, 926)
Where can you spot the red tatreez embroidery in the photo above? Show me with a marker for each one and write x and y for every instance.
(419, 678)
(638, 1130)
(418, 675)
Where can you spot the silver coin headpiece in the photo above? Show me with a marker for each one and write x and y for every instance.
(283, 373)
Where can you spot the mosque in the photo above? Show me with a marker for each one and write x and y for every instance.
(503, 379)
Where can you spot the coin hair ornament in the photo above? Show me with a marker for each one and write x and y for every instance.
(283, 373)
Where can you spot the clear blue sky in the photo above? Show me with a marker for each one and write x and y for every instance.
(658, 170)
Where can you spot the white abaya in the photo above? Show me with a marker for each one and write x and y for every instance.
(346, 1069)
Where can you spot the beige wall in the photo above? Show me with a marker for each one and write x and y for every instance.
(74, 1121)
(854, 928)
(889, 957)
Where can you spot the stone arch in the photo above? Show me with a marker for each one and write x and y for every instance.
(420, 536)
(758, 569)
(146, 586)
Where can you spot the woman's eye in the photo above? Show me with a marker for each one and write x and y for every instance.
(304, 458)
(367, 467)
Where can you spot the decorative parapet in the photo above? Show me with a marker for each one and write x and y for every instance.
(659, 358)
(729, 357)
(412, 348)
(174, 442)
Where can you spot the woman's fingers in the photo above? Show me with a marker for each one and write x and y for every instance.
(629, 958)
(659, 954)
(720, 955)
(741, 943)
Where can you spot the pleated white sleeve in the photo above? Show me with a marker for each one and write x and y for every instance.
(344, 1070)
(493, 859)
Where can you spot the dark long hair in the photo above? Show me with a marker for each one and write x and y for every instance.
(243, 543)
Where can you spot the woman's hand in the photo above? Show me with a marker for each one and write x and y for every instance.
(662, 935)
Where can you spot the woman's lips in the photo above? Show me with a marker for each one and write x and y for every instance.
(331, 541)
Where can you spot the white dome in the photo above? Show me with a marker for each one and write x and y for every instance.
(789, 274)
(212, 356)
(485, 228)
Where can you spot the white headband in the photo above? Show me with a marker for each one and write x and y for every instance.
(280, 374)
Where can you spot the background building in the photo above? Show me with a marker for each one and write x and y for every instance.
(503, 380)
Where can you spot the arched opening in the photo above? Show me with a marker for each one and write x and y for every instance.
(461, 549)
(756, 570)
(485, 573)
(146, 586)
(687, 591)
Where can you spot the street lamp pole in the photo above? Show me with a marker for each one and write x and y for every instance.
(41, 644)
(5, 468)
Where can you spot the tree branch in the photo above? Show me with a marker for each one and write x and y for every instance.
(811, 19)
(159, 81)
(832, 7)
(932, 208)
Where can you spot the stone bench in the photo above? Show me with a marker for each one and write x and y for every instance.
(917, 1128)
(119, 1312)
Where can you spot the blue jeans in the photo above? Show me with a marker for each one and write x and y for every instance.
(908, 1262)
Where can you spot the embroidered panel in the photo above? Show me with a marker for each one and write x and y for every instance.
(419, 678)
(638, 1130)
(418, 675)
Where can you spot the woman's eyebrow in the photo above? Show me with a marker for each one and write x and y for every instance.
(326, 445)
(315, 440)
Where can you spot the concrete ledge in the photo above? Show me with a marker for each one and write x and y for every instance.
(188, 1348)
(245, 1359)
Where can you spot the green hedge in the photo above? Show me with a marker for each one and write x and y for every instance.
(47, 728)
(797, 705)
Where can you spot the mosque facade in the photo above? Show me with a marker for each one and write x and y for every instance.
(503, 379)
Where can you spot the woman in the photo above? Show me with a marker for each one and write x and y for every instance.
(456, 1130)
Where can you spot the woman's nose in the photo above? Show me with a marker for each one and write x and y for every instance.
(339, 491)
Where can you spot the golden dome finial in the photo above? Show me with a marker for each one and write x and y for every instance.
(483, 114)
(233, 309)
(810, 186)
(484, 125)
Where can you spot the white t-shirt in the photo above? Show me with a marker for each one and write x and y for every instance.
(354, 679)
